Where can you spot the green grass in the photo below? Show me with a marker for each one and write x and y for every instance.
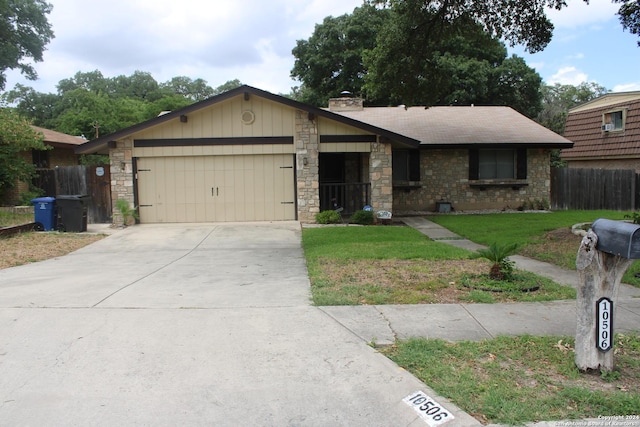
(519, 228)
(10, 219)
(371, 265)
(527, 229)
(515, 380)
(373, 242)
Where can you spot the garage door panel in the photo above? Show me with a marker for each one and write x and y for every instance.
(216, 188)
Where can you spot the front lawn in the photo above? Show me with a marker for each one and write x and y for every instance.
(543, 236)
(517, 380)
(399, 265)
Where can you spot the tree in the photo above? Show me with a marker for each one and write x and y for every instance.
(517, 22)
(517, 85)
(41, 108)
(629, 14)
(558, 99)
(420, 59)
(331, 60)
(194, 90)
(24, 33)
(227, 86)
(16, 138)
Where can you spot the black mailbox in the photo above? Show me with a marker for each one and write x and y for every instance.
(617, 237)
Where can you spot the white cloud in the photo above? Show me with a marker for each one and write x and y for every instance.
(568, 76)
(250, 40)
(627, 87)
(577, 13)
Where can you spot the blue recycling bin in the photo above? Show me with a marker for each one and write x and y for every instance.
(44, 210)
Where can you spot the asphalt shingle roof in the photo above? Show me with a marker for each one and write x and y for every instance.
(51, 136)
(451, 126)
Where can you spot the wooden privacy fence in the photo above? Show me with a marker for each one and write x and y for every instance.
(585, 189)
(93, 181)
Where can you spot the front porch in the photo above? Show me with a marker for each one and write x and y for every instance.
(343, 183)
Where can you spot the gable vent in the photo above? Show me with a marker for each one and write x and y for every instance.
(248, 117)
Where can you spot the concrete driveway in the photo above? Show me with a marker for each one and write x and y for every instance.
(198, 324)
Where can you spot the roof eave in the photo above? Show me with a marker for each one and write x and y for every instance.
(102, 142)
(551, 145)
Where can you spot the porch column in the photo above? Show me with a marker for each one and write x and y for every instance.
(121, 176)
(307, 167)
(380, 171)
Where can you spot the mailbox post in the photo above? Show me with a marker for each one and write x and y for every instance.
(605, 253)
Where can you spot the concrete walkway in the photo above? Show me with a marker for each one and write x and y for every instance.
(383, 324)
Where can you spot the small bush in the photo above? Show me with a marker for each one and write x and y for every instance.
(27, 196)
(328, 217)
(634, 216)
(362, 217)
(128, 214)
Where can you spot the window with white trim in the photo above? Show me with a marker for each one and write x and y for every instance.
(614, 120)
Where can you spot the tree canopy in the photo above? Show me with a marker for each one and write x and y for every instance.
(395, 55)
(90, 104)
(558, 99)
(629, 14)
(331, 60)
(16, 137)
(24, 33)
(518, 22)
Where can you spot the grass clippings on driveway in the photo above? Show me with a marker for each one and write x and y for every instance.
(30, 247)
(515, 380)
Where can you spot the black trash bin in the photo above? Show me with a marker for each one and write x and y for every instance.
(72, 212)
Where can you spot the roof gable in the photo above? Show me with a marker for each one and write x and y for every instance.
(246, 92)
(606, 101)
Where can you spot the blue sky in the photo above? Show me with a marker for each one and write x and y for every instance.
(588, 44)
(251, 40)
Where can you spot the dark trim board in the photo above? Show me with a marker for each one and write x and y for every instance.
(193, 142)
(348, 138)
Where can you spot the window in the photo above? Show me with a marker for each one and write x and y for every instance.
(614, 120)
(499, 163)
(40, 159)
(406, 165)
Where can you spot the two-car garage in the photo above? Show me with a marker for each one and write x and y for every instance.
(251, 187)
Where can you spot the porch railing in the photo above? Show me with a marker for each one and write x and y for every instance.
(352, 197)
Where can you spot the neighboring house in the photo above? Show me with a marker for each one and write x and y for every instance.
(605, 133)
(249, 155)
(62, 153)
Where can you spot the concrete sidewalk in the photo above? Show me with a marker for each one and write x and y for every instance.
(383, 324)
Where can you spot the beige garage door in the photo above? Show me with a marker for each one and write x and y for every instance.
(216, 188)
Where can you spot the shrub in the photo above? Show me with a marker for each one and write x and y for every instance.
(328, 217)
(27, 196)
(634, 216)
(362, 217)
(502, 268)
(128, 214)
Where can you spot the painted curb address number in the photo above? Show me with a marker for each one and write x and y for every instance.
(604, 330)
(428, 409)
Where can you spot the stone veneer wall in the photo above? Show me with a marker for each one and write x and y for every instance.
(380, 171)
(121, 176)
(445, 177)
(307, 175)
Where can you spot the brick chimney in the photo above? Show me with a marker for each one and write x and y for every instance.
(346, 103)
